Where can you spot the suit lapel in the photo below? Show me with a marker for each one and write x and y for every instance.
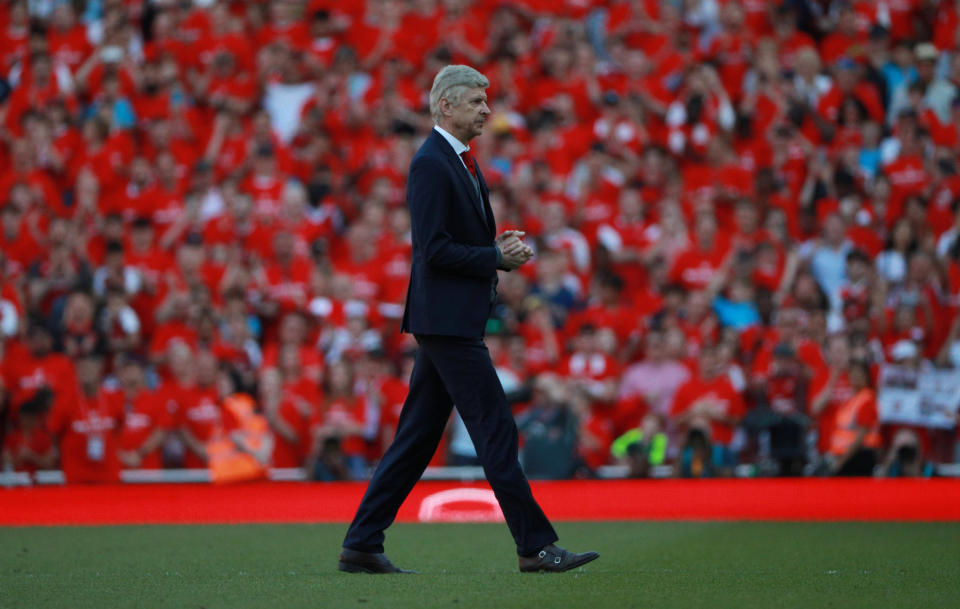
(463, 176)
(487, 209)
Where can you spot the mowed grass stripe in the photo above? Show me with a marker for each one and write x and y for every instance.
(660, 565)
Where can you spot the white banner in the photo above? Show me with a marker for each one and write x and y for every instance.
(927, 398)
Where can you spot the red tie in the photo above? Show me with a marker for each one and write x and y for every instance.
(469, 161)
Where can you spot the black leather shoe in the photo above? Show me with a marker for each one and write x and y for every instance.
(554, 560)
(352, 561)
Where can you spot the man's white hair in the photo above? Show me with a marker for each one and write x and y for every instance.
(450, 83)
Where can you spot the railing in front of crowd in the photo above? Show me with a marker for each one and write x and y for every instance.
(293, 474)
(462, 474)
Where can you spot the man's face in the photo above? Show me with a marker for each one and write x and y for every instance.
(40, 343)
(706, 230)
(41, 70)
(847, 22)
(784, 365)
(11, 219)
(709, 363)
(131, 376)
(834, 229)
(856, 270)
(654, 346)
(88, 370)
(467, 117)
(746, 217)
(206, 367)
(838, 352)
(142, 237)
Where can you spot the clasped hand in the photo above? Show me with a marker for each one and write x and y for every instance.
(514, 252)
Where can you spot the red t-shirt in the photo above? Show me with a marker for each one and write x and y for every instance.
(266, 192)
(235, 44)
(311, 360)
(24, 375)
(353, 410)
(151, 263)
(169, 331)
(718, 390)
(939, 212)
(808, 352)
(394, 394)
(622, 319)
(13, 45)
(289, 287)
(837, 45)
(418, 34)
(788, 47)
(394, 274)
(756, 18)
(89, 435)
(171, 395)
(37, 440)
(597, 367)
(200, 413)
(143, 414)
(945, 28)
(43, 187)
(901, 18)
(908, 176)
(695, 268)
(286, 453)
(163, 206)
(295, 34)
(601, 428)
(731, 51)
(366, 277)
(21, 249)
(620, 234)
(867, 94)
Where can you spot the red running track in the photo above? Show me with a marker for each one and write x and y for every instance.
(271, 502)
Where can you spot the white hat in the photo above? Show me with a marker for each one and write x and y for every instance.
(925, 51)
(904, 349)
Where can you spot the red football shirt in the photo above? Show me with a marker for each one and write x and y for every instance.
(89, 435)
(143, 414)
(352, 410)
(285, 452)
(201, 414)
(718, 390)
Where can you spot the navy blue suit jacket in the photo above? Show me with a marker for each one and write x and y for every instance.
(454, 268)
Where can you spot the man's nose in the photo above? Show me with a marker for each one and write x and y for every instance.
(485, 109)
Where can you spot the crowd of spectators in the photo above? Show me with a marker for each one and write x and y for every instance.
(740, 210)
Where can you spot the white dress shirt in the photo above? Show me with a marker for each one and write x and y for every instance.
(458, 146)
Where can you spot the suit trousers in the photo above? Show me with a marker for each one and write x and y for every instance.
(452, 370)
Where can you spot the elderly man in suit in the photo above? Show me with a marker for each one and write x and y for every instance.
(453, 279)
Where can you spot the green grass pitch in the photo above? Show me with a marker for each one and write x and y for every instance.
(656, 565)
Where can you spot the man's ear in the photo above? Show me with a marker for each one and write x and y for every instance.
(445, 106)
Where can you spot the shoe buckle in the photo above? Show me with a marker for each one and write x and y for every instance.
(542, 554)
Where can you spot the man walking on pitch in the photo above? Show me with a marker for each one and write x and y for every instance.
(453, 282)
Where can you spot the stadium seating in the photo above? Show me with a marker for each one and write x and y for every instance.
(745, 216)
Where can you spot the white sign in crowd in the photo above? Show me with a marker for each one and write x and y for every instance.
(928, 397)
